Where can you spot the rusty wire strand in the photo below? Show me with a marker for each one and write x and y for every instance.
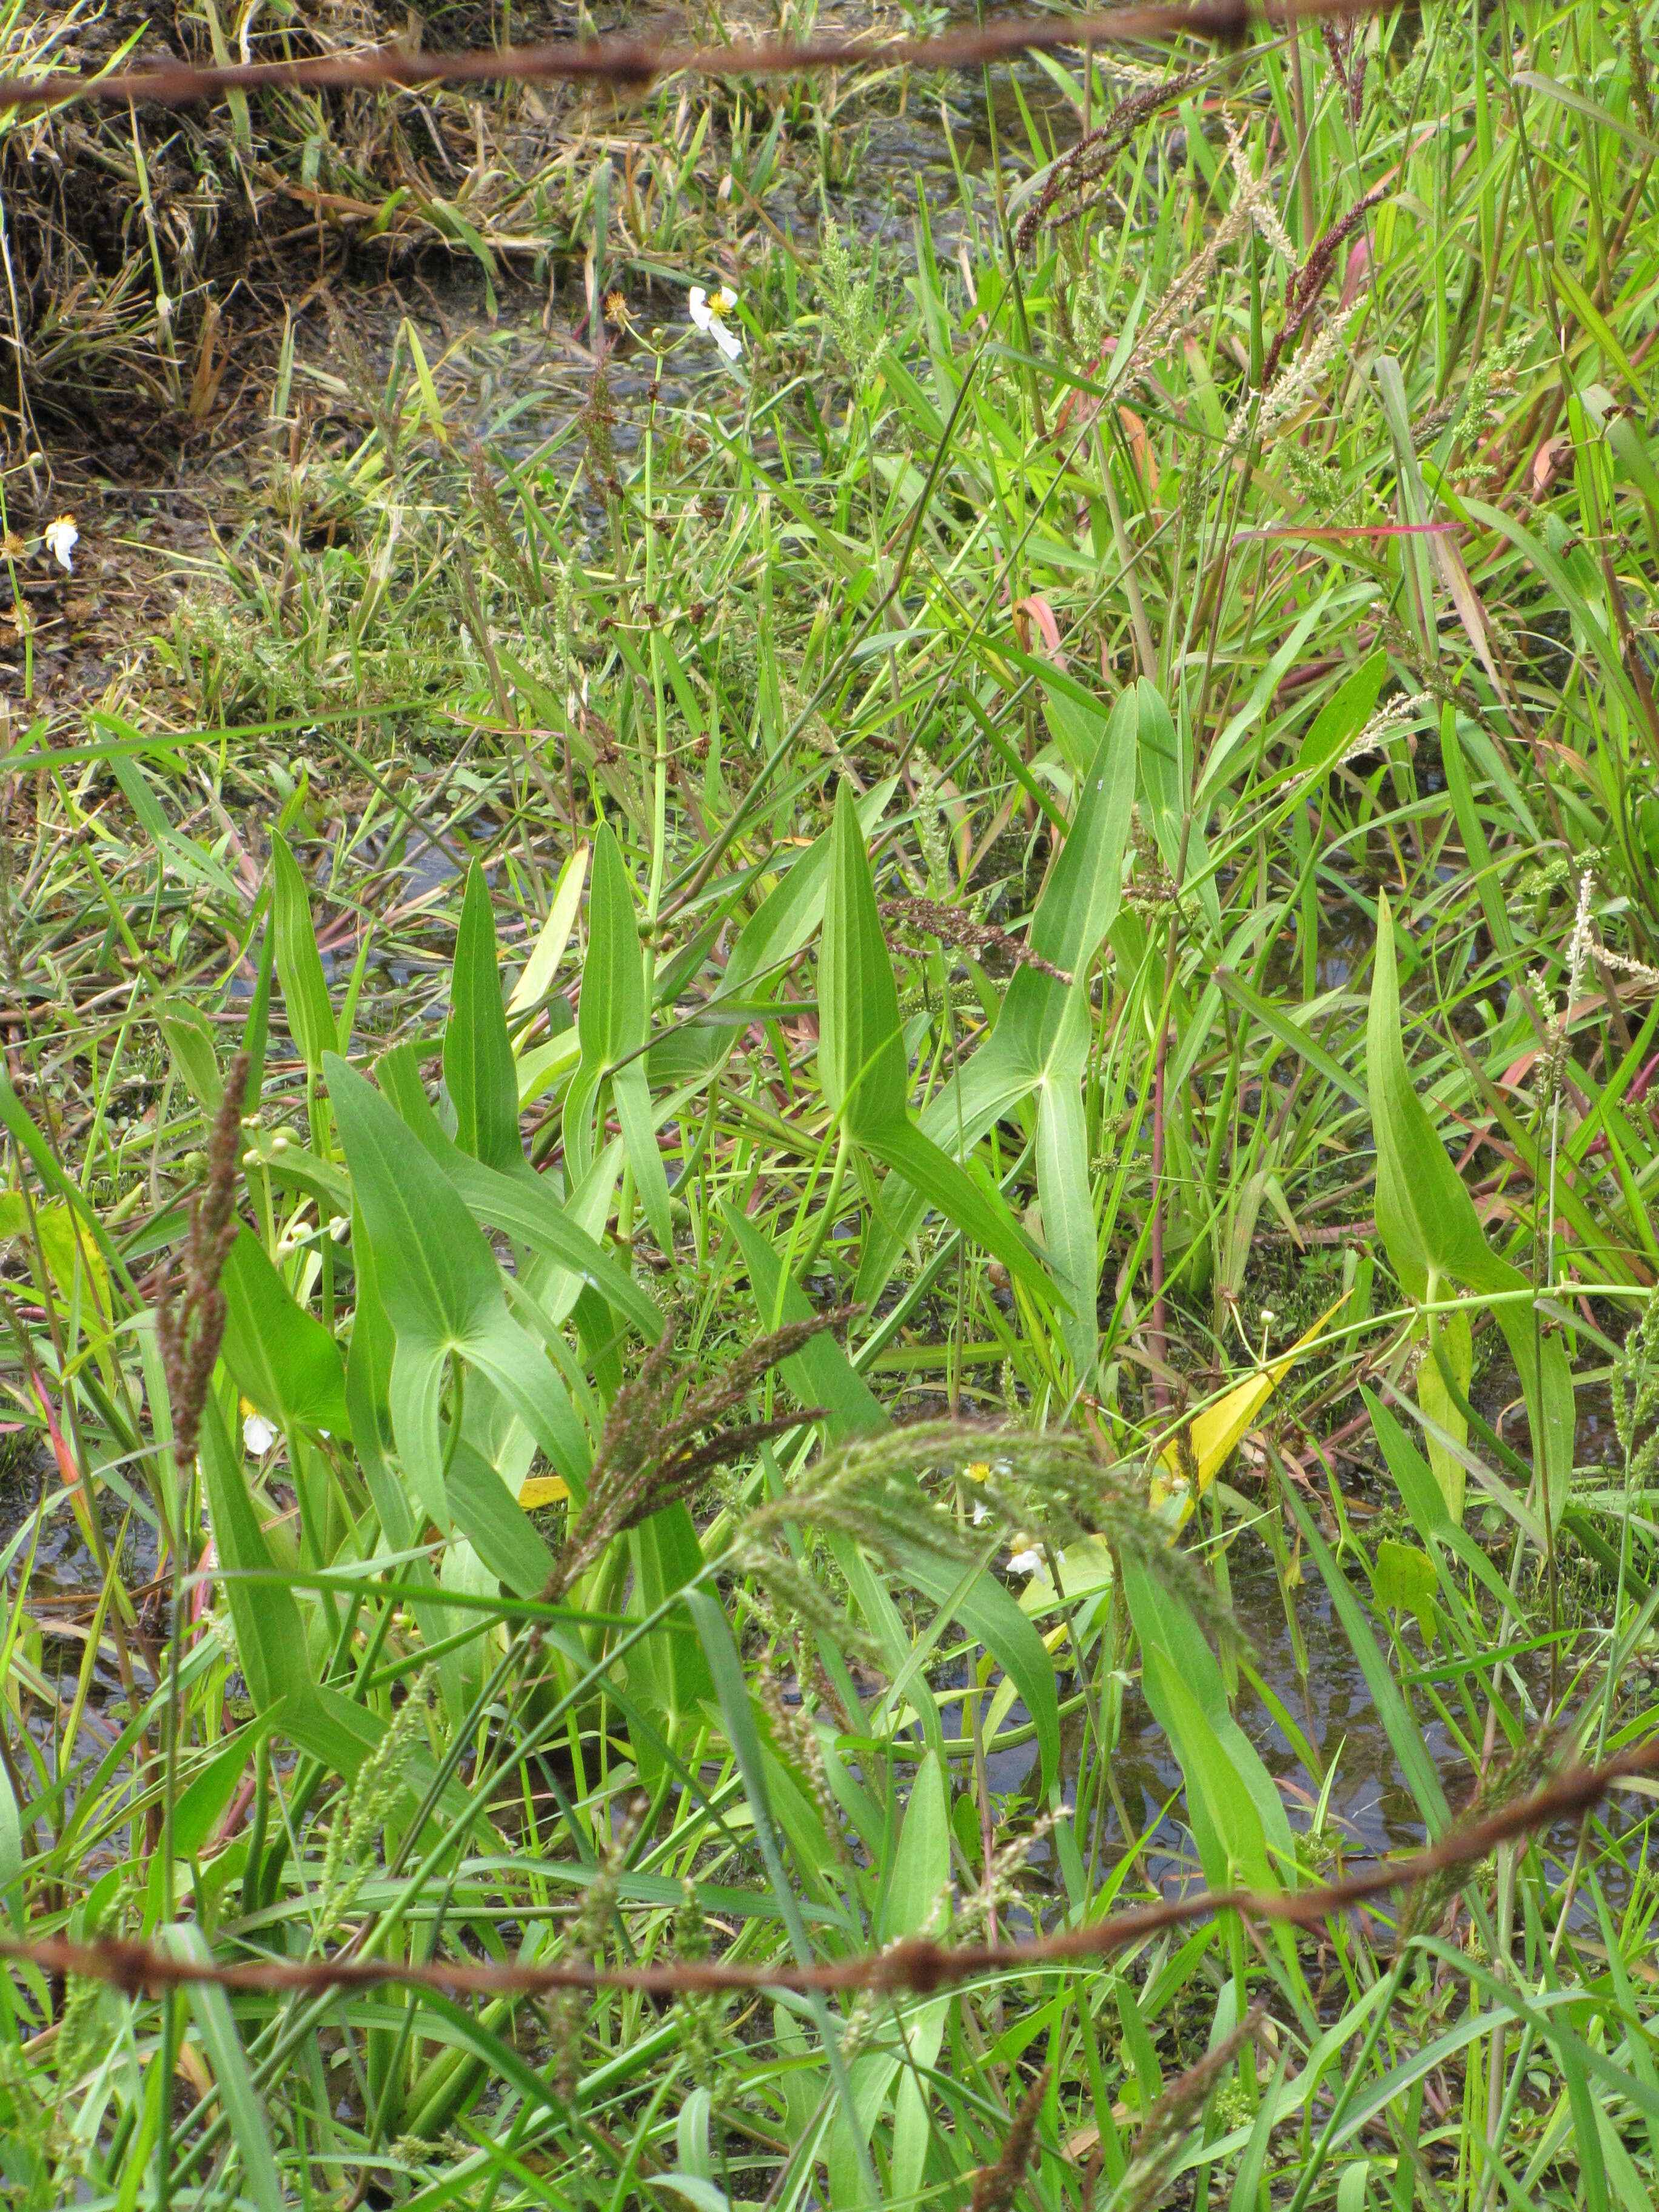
(633, 64)
(917, 1964)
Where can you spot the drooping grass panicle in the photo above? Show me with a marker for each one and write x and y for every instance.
(1191, 285)
(360, 1817)
(649, 1454)
(700, 2011)
(1251, 192)
(588, 1933)
(1308, 283)
(927, 917)
(1388, 721)
(1635, 1396)
(1053, 1481)
(1067, 193)
(1300, 380)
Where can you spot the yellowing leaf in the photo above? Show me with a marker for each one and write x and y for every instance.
(542, 1490)
(68, 1251)
(1436, 1401)
(1216, 1432)
(554, 935)
(1406, 1582)
(1085, 1570)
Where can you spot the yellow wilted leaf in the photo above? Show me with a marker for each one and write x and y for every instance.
(1216, 1432)
(542, 1490)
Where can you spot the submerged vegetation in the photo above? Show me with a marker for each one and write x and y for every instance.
(830, 1124)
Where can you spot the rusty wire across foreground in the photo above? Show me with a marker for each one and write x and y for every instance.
(632, 65)
(914, 1965)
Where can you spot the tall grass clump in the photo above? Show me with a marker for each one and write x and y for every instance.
(830, 1147)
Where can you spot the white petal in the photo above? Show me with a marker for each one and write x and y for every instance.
(60, 538)
(728, 341)
(1024, 1563)
(981, 1515)
(258, 1434)
(697, 307)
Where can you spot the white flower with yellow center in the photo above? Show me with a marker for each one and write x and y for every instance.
(709, 310)
(257, 1433)
(60, 538)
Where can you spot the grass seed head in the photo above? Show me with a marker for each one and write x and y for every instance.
(996, 2188)
(190, 1316)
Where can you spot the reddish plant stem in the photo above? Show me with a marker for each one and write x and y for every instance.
(916, 1963)
(1159, 1340)
(636, 64)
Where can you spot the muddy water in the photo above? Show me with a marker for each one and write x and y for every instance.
(1370, 1808)
(519, 380)
(40, 1536)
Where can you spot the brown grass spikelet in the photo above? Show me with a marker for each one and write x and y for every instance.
(190, 1316)
(596, 418)
(1302, 294)
(486, 500)
(1090, 158)
(996, 2188)
(1349, 62)
(1640, 88)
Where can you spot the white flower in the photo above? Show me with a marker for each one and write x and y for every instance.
(981, 1515)
(258, 1434)
(708, 311)
(1025, 1563)
(60, 538)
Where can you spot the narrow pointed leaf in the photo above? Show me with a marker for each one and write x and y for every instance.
(478, 1066)
(861, 1060)
(299, 964)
